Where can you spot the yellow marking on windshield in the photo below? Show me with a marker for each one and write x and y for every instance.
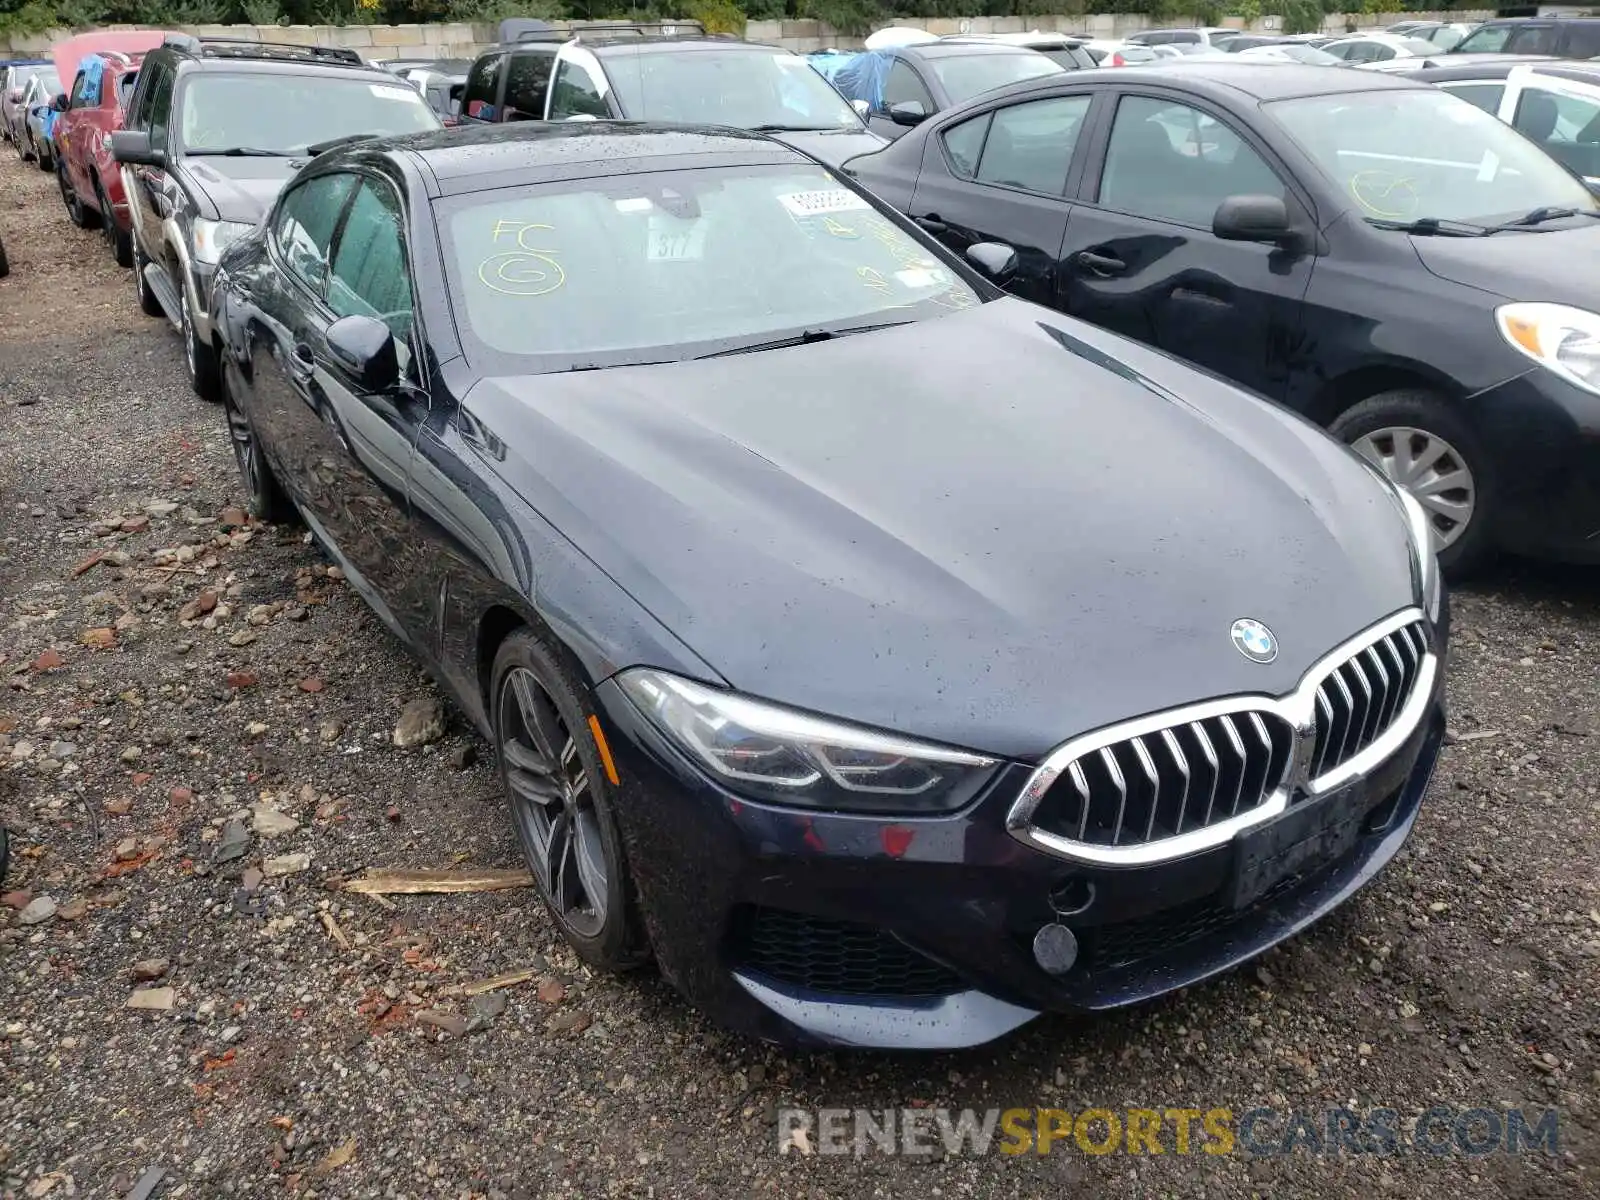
(525, 271)
(837, 229)
(1385, 194)
(874, 279)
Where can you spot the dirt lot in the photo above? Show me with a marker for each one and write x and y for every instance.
(155, 756)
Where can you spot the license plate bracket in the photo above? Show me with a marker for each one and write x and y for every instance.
(1309, 835)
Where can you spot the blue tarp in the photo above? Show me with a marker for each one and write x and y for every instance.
(857, 76)
(94, 71)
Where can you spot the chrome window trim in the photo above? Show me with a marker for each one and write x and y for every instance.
(1298, 708)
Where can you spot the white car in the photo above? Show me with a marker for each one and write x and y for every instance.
(1208, 36)
(1109, 53)
(1291, 52)
(1064, 48)
(1368, 50)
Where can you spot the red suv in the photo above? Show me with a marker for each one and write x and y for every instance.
(91, 182)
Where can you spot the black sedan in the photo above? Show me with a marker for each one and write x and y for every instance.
(1376, 254)
(889, 658)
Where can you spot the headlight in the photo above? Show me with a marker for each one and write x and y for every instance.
(211, 238)
(776, 754)
(1567, 340)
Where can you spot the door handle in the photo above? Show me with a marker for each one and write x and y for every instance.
(301, 364)
(932, 223)
(1104, 265)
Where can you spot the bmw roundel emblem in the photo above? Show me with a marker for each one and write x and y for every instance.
(1254, 640)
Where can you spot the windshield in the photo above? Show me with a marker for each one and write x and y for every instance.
(1419, 46)
(1406, 155)
(1308, 54)
(283, 113)
(965, 76)
(743, 88)
(675, 264)
(1490, 38)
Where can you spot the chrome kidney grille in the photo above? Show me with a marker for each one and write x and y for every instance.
(1362, 696)
(1166, 785)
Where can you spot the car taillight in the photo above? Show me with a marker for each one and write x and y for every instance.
(1118, 61)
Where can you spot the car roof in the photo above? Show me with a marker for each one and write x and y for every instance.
(604, 47)
(1553, 19)
(1566, 68)
(957, 49)
(1223, 75)
(292, 66)
(469, 158)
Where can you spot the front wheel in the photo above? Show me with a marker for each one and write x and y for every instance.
(561, 803)
(266, 498)
(200, 358)
(1422, 445)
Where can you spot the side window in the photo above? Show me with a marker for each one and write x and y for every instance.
(303, 227)
(1532, 39)
(1171, 162)
(1583, 40)
(1489, 39)
(576, 94)
(369, 275)
(964, 142)
(527, 84)
(1381, 53)
(1486, 96)
(76, 99)
(903, 84)
(160, 112)
(482, 88)
(1030, 145)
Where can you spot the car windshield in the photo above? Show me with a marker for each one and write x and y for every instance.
(1414, 154)
(968, 75)
(1419, 45)
(283, 113)
(672, 265)
(746, 88)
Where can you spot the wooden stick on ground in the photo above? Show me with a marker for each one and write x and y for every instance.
(390, 882)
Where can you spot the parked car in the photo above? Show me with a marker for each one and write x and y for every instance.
(38, 94)
(441, 82)
(549, 396)
(1445, 35)
(1289, 51)
(1561, 37)
(12, 83)
(637, 73)
(91, 182)
(1208, 36)
(1552, 102)
(903, 85)
(214, 130)
(1367, 49)
(1110, 53)
(1063, 48)
(1331, 239)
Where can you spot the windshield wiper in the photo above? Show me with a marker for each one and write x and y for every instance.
(1538, 216)
(1431, 227)
(804, 338)
(778, 128)
(317, 148)
(244, 152)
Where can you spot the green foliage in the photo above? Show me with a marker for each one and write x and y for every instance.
(718, 16)
(261, 12)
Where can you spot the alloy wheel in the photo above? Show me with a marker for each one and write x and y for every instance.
(1431, 470)
(188, 335)
(552, 802)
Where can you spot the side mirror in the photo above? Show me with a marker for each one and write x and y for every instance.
(996, 260)
(1252, 219)
(132, 148)
(59, 104)
(365, 348)
(908, 112)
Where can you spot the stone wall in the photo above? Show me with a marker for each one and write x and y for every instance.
(461, 40)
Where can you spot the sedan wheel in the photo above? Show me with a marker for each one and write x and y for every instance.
(1429, 468)
(267, 500)
(559, 797)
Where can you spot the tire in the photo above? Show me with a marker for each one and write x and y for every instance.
(5, 263)
(265, 495)
(46, 160)
(148, 304)
(77, 213)
(543, 747)
(1465, 474)
(199, 358)
(121, 243)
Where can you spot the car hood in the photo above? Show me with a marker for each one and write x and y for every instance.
(995, 529)
(242, 189)
(1556, 265)
(833, 146)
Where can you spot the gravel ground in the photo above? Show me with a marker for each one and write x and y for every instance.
(186, 700)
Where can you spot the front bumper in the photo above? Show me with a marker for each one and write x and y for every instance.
(823, 928)
(1544, 434)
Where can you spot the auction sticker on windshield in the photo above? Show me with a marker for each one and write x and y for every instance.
(826, 200)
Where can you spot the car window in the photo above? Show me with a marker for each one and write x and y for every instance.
(1172, 162)
(125, 86)
(1583, 41)
(1072, 58)
(1533, 39)
(971, 75)
(1030, 145)
(743, 86)
(286, 114)
(368, 275)
(1420, 153)
(665, 265)
(963, 144)
(1486, 96)
(303, 227)
(576, 93)
(1486, 39)
(527, 85)
(483, 88)
(1567, 126)
(159, 114)
(903, 85)
(78, 85)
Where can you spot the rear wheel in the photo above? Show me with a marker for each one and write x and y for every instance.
(121, 243)
(77, 212)
(1419, 442)
(43, 156)
(148, 304)
(561, 803)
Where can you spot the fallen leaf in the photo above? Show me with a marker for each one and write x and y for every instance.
(551, 992)
(241, 679)
(48, 661)
(221, 1062)
(311, 684)
(100, 639)
(337, 1157)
